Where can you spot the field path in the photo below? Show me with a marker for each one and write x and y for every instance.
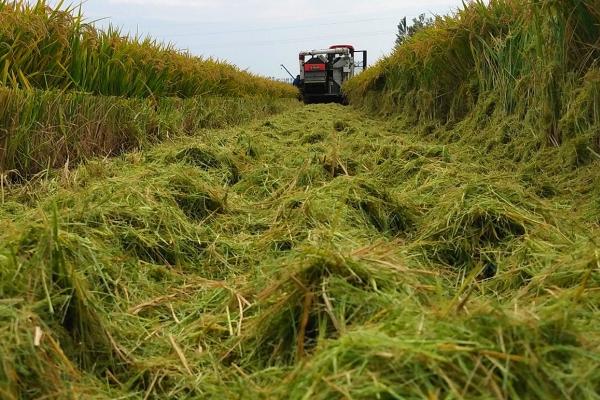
(316, 254)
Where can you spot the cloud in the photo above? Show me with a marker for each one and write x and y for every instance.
(213, 12)
(171, 3)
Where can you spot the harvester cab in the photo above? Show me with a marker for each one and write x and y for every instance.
(323, 72)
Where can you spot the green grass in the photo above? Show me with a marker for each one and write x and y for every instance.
(317, 254)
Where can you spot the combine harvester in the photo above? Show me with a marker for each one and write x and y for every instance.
(323, 74)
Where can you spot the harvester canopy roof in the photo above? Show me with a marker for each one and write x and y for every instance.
(343, 46)
(337, 50)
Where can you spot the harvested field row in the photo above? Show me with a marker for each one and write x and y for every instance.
(315, 254)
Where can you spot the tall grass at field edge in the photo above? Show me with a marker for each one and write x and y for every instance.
(534, 61)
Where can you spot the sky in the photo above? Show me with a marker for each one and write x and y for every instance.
(260, 35)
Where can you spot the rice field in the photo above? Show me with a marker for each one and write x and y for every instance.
(440, 239)
(42, 129)
(528, 66)
(69, 91)
(54, 48)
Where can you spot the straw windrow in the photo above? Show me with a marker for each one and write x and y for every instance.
(427, 272)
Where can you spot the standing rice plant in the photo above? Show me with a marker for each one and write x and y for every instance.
(521, 59)
(47, 47)
(51, 129)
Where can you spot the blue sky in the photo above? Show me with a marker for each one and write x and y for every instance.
(259, 35)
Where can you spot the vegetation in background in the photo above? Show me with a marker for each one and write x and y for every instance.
(69, 91)
(406, 31)
(48, 47)
(50, 129)
(527, 70)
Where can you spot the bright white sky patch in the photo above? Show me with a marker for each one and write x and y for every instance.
(259, 35)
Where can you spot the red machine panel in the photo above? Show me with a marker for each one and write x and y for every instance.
(314, 67)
